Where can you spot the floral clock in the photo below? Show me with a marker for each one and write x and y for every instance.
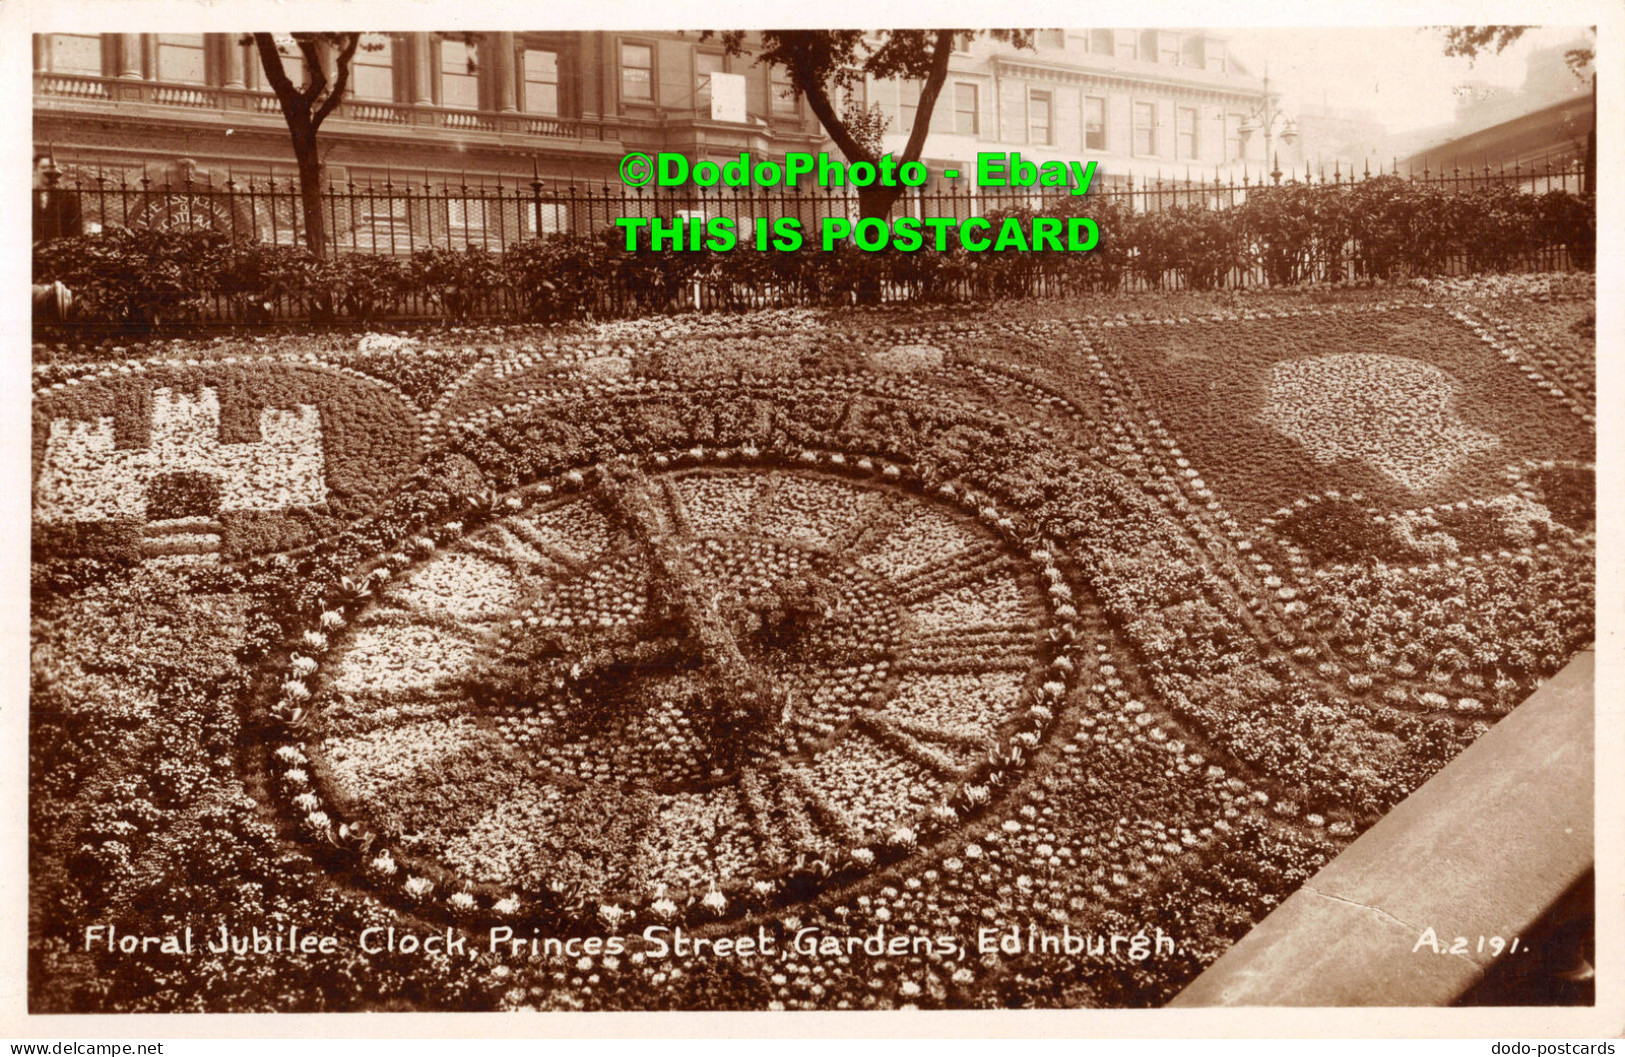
(697, 689)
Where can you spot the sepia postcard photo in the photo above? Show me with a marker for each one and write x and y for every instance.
(644, 511)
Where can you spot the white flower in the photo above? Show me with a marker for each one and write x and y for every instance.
(715, 901)
(418, 887)
(461, 901)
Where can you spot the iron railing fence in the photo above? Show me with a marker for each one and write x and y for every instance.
(399, 218)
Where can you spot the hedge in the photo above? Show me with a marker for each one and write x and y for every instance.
(1381, 228)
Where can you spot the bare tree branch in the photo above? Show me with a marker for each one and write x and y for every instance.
(346, 53)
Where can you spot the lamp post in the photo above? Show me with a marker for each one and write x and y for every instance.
(1265, 118)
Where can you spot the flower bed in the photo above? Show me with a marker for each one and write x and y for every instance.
(261, 457)
(1063, 629)
(1264, 405)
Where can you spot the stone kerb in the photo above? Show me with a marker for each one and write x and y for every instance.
(1485, 848)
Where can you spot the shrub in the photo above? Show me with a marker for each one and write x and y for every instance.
(359, 286)
(134, 277)
(255, 277)
(456, 280)
(555, 278)
(1383, 227)
(1570, 220)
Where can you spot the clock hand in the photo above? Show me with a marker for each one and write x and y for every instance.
(743, 698)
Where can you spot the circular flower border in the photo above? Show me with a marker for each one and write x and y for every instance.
(430, 886)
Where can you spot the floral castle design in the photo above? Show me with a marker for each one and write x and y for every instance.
(184, 476)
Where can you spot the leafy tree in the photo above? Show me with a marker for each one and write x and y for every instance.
(1468, 41)
(824, 63)
(327, 59)
(1471, 41)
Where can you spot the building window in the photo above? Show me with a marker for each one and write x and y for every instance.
(78, 53)
(1039, 126)
(1185, 133)
(539, 93)
(962, 45)
(908, 104)
(467, 216)
(783, 91)
(705, 64)
(1052, 38)
(180, 58)
(1213, 54)
(637, 72)
(377, 220)
(1128, 44)
(459, 77)
(1232, 136)
(1145, 129)
(1102, 41)
(967, 111)
(854, 94)
(1094, 123)
(555, 218)
(372, 70)
(1168, 49)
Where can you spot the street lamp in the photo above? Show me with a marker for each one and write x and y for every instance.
(1266, 117)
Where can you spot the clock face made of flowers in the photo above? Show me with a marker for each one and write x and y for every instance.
(700, 689)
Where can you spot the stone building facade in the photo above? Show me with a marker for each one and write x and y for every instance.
(506, 110)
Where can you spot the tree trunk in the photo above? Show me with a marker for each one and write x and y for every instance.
(323, 303)
(874, 202)
(1590, 184)
(310, 191)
